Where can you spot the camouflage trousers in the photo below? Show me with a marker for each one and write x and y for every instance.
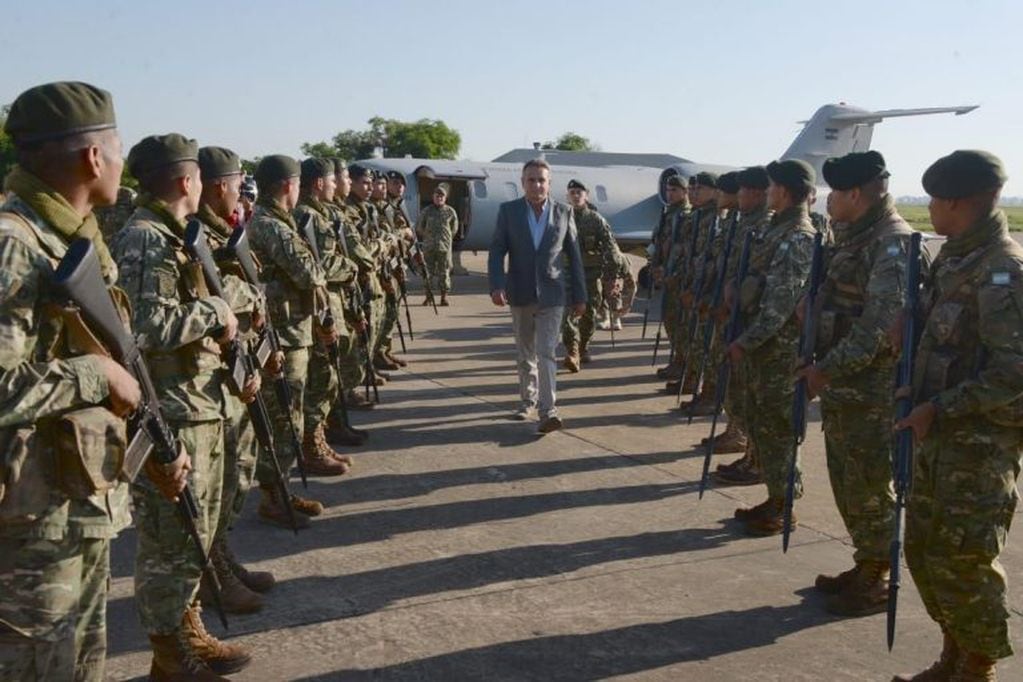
(735, 395)
(240, 456)
(323, 386)
(438, 264)
(579, 330)
(167, 567)
(957, 521)
(296, 369)
(769, 394)
(53, 615)
(671, 309)
(377, 309)
(705, 355)
(858, 443)
(389, 321)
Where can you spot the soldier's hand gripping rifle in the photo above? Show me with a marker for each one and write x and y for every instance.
(732, 330)
(903, 464)
(237, 249)
(416, 255)
(241, 364)
(359, 307)
(78, 281)
(403, 287)
(807, 342)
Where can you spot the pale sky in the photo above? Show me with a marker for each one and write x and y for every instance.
(719, 82)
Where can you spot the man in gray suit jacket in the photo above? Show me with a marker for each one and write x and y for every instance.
(545, 274)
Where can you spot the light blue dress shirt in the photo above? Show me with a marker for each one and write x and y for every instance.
(538, 225)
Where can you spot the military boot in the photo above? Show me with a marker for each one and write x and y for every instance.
(743, 471)
(973, 668)
(175, 661)
(305, 506)
(318, 457)
(394, 358)
(833, 584)
(572, 358)
(584, 355)
(357, 401)
(746, 513)
(338, 433)
(218, 656)
(257, 581)
(705, 406)
(942, 669)
(732, 440)
(742, 462)
(271, 509)
(771, 521)
(444, 299)
(235, 597)
(864, 595)
(381, 361)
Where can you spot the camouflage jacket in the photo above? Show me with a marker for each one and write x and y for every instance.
(174, 316)
(596, 243)
(674, 235)
(779, 266)
(716, 265)
(40, 380)
(437, 227)
(696, 234)
(290, 271)
(365, 247)
(970, 357)
(665, 233)
(339, 271)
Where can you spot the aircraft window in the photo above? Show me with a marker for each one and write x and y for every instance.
(601, 193)
(480, 189)
(513, 189)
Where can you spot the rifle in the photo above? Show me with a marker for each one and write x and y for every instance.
(694, 315)
(650, 279)
(903, 464)
(417, 252)
(708, 332)
(732, 331)
(237, 249)
(392, 265)
(357, 304)
(664, 300)
(807, 341)
(241, 362)
(78, 280)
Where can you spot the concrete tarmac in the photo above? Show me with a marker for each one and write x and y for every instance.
(465, 547)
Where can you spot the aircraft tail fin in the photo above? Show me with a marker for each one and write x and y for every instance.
(838, 129)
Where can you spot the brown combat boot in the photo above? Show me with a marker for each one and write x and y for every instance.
(218, 656)
(271, 509)
(732, 440)
(771, 521)
(305, 506)
(942, 669)
(865, 595)
(428, 301)
(257, 581)
(381, 361)
(318, 457)
(746, 513)
(572, 358)
(235, 597)
(357, 401)
(833, 584)
(444, 299)
(671, 372)
(973, 668)
(339, 433)
(584, 355)
(394, 358)
(175, 661)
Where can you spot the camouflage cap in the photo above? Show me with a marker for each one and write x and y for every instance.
(575, 184)
(442, 188)
(854, 170)
(679, 181)
(357, 170)
(396, 175)
(754, 177)
(792, 174)
(705, 179)
(729, 182)
(964, 173)
(55, 110)
(157, 151)
(315, 168)
(276, 168)
(216, 162)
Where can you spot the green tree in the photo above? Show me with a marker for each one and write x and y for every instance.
(425, 138)
(571, 142)
(249, 165)
(7, 157)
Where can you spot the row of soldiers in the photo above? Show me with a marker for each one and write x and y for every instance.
(751, 232)
(304, 299)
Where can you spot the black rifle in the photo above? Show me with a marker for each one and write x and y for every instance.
(650, 277)
(78, 280)
(358, 305)
(698, 284)
(241, 364)
(416, 253)
(237, 249)
(732, 331)
(392, 266)
(664, 294)
(807, 341)
(903, 464)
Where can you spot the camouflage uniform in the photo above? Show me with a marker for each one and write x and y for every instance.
(438, 227)
(112, 218)
(361, 216)
(778, 270)
(175, 319)
(668, 255)
(698, 234)
(389, 271)
(861, 294)
(599, 250)
(715, 252)
(622, 272)
(357, 250)
(54, 551)
(964, 494)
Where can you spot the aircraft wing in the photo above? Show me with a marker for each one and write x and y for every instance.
(878, 116)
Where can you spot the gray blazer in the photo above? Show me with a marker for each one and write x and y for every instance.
(537, 275)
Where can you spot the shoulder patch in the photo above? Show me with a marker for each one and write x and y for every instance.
(783, 247)
(1001, 278)
(894, 250)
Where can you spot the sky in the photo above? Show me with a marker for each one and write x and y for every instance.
(724, 82)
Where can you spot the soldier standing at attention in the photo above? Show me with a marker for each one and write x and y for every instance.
(391, 273)
(667, 249)
(437, 226)
(598, 248)
(181, 329)
(779, 266)
(967, 385)
(863, 290)
(54, 546)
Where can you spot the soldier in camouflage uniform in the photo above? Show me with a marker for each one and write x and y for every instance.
(404, 236)
(180, 329)
(598, 247)
(112, 218)
(391, 273)
(294, 287)
(221, 174)
(967, 384)
(54, 543)
(667, 245)
(620, 288)
(779, 266)
(436, 227)
(860, 297)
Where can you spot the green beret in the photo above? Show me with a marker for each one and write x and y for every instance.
(158, 151)
(729, 182)
(340, 165)
(442, 188)
(276, 168)
(357, 170)
(854, 170)
(216, 162)
(396, 175)
(575, 184)
(964, 173)
(54, 110)
(706, 179)
(754, 177)
(676, 181)
(315, 168)
(793, 174)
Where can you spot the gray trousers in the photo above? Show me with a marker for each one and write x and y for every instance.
(536, 338)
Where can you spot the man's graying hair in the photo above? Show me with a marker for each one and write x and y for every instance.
(536, 163)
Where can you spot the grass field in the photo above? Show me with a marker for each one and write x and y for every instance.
(918, 218)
